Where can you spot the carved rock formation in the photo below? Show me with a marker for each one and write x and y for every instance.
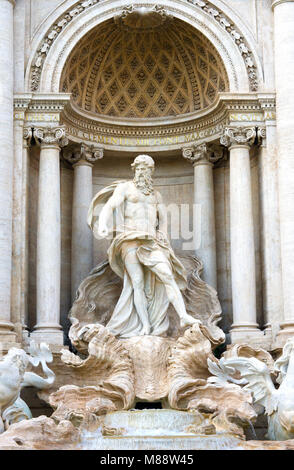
(102, 382)
(40, 433)
(99, 292)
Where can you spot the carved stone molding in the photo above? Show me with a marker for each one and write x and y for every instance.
(261, 135)
(82, 152)
(143, 18)
(52, 136)
(278, 2)
(177, 132)
(216, 14)
(238, 135)
(27, 135)
(203, 154)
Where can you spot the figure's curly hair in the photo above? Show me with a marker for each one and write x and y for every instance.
(146, 159)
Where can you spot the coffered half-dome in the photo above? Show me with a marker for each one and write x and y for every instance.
(130, 72)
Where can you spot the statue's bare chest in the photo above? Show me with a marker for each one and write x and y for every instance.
(135, 196)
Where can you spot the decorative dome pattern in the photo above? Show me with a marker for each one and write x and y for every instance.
(166, 72)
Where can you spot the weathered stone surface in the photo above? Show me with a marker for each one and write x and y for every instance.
(40, 433)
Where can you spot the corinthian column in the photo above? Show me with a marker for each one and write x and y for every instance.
(82, 157)
(284, 68)
(22, 138)
(203, 156)
(6, 165)
(270, 230)
(239, 139)
(48, 237)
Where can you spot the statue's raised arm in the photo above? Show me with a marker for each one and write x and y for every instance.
(106, 215)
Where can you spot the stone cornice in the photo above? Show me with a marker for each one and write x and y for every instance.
(278, 2)
(39, 110)
(22, 101)
(50, 102)
(173, 132)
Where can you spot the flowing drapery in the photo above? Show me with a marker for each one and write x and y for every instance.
(151, 252)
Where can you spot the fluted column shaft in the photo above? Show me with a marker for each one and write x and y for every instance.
(82, 157)
(82, 240)
(6, 166)
(202, 158)
(242, 234)
(49, 238)
(22, 138)
(284, 69)
(270, 230)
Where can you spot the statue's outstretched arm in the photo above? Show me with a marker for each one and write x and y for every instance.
(107, 211)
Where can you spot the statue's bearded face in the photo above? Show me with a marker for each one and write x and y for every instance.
(143, 178)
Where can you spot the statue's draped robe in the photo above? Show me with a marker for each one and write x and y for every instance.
(125, 321)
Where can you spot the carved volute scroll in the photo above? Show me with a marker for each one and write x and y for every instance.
(238, 135)
(82, 152)
(203, 153)
(50, 136)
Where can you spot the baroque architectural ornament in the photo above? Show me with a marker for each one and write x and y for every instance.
(255, 376)
(15, 374)
(203, 153)
(28, 134)
(50, 136)
(143, 18)
(216, 14)
(166, 72)
(89, 153)
(238, 135)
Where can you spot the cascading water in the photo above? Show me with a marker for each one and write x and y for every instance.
(153, 430)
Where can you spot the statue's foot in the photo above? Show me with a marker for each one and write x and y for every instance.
(188, 320)
(146, 329)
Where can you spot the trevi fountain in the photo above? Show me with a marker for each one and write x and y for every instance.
(146, 227)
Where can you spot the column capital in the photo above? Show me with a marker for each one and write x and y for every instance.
(203, 154)
(83, 154)
(238, 136)
(261, 135)
(27, 135)
(278, 2)
(50, 136)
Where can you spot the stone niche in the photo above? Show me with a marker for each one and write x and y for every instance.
(163, 71)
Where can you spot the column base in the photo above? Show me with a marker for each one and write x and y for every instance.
(286, 332)
(7, 333)
(246, 333)
(51, 334)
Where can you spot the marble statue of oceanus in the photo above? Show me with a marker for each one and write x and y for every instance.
(140, 254)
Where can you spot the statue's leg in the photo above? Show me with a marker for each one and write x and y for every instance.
(174, 295)
(136, 273)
